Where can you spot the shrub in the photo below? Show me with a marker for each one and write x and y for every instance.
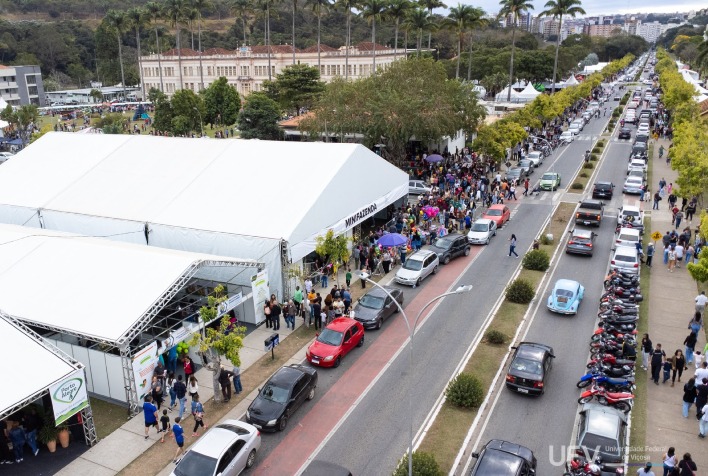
(584, 174)
(424, 464)
(596, 150)
(601, 143)
(495, 337)
(594, 157)
(588, 165)
(537, 260)
(465, 391)
(520, 291)
(545, 240)
(616, 114)
(576, 186)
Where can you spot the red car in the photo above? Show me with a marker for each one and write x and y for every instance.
(499, 214)
(335, 341)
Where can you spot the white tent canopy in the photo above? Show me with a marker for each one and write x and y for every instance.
(222, 197)
(90, 287)
(572, 81)
(40, 367)
(529, 92)
(500, 97)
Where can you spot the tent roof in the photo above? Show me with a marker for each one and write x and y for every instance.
(572, 81)
(266, 189)
(529, 92)
(98, 288)
(504, 93)
(41, 367)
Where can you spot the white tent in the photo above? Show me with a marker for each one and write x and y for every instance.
(529, 93)
(502, 96)
(253, 199)
(572, 81)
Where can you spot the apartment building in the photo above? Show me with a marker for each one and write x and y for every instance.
(22, 85)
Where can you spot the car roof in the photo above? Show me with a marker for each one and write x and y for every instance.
(535, 153)
(532, 349)
(634, 179)
(484, 221)
(550, 173)
(626, 251)
(608, 184)
(602, 420)
(511, 448)
(629, 231)
(566, 284)
(378, 292)
(286, 376)
(421, 254)
(340, 324)
(450, 237)
(325, 468)
(220, 437)
(631, 208)
(497, 207)
(580, 233)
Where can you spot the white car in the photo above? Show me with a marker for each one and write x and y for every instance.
(482, 231)
(226, 449)
(643, 129)
(631, 213)
(574, 128)
(417, 187)
(628, 237)
(580, 122)
(567, 137)
(636, 164)
(417, 267)
(625, 259)
(633, 185)
(535, 157)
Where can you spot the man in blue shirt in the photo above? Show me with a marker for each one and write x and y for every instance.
(178, 431)
(181, 391)
(150, 413)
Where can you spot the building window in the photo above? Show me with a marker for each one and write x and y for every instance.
(245, 70)
(31, 79)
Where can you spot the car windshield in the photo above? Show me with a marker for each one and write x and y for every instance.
(630, 213)
(195, 464)
(274, 393)
(413, 265)
(495, 212)
(330, 337)
(625, 237)
(548, 177)
(526, 365)
(480, 226)
(372, 302)
(607, 446)
(625, 258)
(524, 163)
(444, 244)
(535, 155)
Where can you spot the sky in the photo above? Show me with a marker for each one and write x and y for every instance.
(601, 7)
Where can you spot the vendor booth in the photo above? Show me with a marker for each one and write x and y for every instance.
(262, 200)
(115, 307)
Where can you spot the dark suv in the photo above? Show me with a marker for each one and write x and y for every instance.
(501, 458)
(450, 246)
(603, 190)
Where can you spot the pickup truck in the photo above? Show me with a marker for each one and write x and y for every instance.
(590, 212)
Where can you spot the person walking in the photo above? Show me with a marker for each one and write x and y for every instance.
(193, 387)
(650, 253)
(18, 437)
(689, 395)
(267, 312)
(164, 425)
(647, 349)
(696, 323)
(198, 414)
(678, 365)
(225, 382)
(669, 461)
(657, 360)
(672, 259)
(238, 388)
(275, 311)
(386, 261)
(31, 422)
(512, 246)
(347, 299)
(657, 199)
(690, 343)
(297, 299)
(150, 414)
(289, 311)
(181, 392)
(703, 422)
(701, 301)
(701, 396)
(178, 431)
(646, 470)
(171, 380)
(188, 368)
(687, 466)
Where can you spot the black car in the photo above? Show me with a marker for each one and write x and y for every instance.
(375, 306)
(281, 395)
(450, 246)
(580, 242)
(529, 368)
(625, 133)
(502, 458)
(603, 190)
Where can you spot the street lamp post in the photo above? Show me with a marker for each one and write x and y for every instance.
(411, 333)
(201, 123)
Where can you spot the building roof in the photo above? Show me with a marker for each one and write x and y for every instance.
(369, 46)
(274, 49)
(217, 51)
(323, 48)
(294, 122)
(182, 51)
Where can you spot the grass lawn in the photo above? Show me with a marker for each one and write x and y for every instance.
(107, 417)
(447, 433)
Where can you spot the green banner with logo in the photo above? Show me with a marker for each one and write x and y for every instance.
(69, 396)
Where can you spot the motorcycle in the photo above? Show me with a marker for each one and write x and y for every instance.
(622, 401)
(579, 466)
(609, 359)
(616, 384)
(614, 372)
(619, 314)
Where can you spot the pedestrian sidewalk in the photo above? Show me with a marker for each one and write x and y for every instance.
(671, 306)
(116, 451)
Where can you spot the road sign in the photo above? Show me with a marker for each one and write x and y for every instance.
(656, 236)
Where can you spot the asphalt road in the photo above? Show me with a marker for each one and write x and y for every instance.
(522, 419)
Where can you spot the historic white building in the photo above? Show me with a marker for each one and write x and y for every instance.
(246, 68)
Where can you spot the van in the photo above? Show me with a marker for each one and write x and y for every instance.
(625, 259)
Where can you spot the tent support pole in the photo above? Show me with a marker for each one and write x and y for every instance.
(131, 393)
(285, 265)
(89, 427)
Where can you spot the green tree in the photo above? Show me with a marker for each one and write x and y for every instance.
(242, 9)
(111, 123)
(259, 118)
(296, 87)
(347, 6)
(333, 249)
(558, 9)
(221, 103)
(96, 95)
(459, 21)
(373, 11)
(139, 19)
(118, 22)
(424, 464)
(23, 120)
(155, 13)
(397, 10)
(187, 111)
(431, 5)
(513, 9)
(419, 21)
(490, 144)
(200, 6)
(174, 12)
(318, 6)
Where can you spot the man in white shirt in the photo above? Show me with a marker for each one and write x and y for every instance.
(701, 301)
(679, 254)
(308, 285)
(702, 372)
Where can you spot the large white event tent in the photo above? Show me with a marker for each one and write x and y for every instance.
(502, 96)
(528, 94)
(98, 300)
(255, 199)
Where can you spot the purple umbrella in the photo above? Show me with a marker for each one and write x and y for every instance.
(434, 158)
(392, 239)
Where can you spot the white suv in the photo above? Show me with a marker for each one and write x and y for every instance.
(625, 259)
(417, 267)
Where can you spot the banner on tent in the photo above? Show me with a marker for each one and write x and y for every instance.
(230, 303)
(69, 396)
(261, 293)
(144, 364)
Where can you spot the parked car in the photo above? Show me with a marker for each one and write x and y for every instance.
(581, 242)
(625, 259)
(417, 187)
(335, 342)
(450, 246)
(574, 128)
(566, 297)
(529, 367)
(325, 468)
(375, 306)
(633, 185)
(628, 237)
(526, 166)
(603, 190)
(482, 231)
(625, 133)
(282, 395)
(502, 458)
(226, 449)
(636, 164)
(550, 181)
(536, 157)
(417, 267)
(603, 429)
(514, 174)
(566, 137)
(632, 214)
(498, 213)
(579, 122)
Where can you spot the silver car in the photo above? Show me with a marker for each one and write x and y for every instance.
(417, 267)
(417, 187)
(226, 449)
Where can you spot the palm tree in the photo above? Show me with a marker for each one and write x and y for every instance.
(397, 10)
(154, 12)
(118, 22)
(559, 9)
(139, 18)
(242, 9)
(475, 21)
(200, 6)
(190, 16)
(174, 12)
(430, 5)
(513, 9)
(265, 6)
(419, 20)
(373, 10)
(347, 5)
(318, 6)
(458, 20)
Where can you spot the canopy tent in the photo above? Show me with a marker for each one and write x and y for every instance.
(572, 81)
(502, 96)
(529, 93)
(257, 199)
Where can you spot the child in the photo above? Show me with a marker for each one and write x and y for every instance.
(698, 357)
(198, 414)
(178, 431)
(165, 421)
(667, 371)
(323, 318)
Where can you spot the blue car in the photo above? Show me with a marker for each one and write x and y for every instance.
(566, 296)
